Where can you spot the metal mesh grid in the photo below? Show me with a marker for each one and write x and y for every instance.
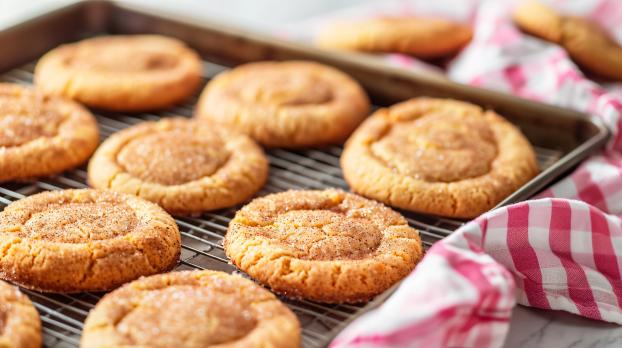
(63, 314)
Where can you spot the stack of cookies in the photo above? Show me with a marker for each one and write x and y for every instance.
(433, 156)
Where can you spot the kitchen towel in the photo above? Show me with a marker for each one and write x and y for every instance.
(562, 250)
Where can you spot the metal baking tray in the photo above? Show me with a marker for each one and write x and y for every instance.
(561, 137)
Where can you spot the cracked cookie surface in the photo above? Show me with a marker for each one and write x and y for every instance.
(327, 246)
(586, 41)
(84, 240)
(20, 326)
(42, 135)
(285, 104)
(183, 165)
(191, 309)
(121, 73)
(418, 36)
(438, 156)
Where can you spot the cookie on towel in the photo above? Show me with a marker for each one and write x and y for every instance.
(586, 41)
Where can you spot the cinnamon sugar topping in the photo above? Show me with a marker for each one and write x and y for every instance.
(80, 222)
(173, 157)
(25, 116)
(438, 147)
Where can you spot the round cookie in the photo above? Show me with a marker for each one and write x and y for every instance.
(586, 42)
(20, 326)
(438, 156)
(328, 246)
(285, 104)
(42, 135)
(191, 309)
(185, 166)
(84, 240)
(418, 36)
(121, 73)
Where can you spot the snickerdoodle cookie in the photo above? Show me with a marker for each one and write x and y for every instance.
(438, 156)
(42, 135)
(84, 240)
(328, 246)
(122, 73)
(418, 36)
(586, 41)
(20, 326)
(286, 104)
(191, 309)
(183, 165)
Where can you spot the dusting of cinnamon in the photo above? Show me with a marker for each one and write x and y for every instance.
(438, 147)
(24, 116)
(80, 222)
(173, 157)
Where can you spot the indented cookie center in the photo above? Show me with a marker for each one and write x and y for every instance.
(173, 158)
(200, 317)
(120, 59)
(80, 222)
(326, 235)
(286, 89)
(25, 119)
(438, 147)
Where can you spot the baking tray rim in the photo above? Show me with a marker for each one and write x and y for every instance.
(566, 162)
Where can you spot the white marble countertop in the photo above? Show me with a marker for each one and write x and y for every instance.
(529, 327)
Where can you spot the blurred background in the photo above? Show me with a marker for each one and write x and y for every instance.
(265, 15)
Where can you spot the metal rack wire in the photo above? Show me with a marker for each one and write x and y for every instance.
(63, 314)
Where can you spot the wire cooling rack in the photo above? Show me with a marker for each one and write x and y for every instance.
(63, 315)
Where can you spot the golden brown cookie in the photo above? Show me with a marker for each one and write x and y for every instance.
(121, 73)
(327, 246)
(191, 309)
(42, 135)
(438, 156)
(418, 36)
(586, 42)
(185, 166)
(20, 326)
(285, 104)
(84, 240)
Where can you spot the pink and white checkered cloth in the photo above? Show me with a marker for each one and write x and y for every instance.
(561, 251)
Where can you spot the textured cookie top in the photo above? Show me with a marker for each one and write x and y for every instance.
(20, 326)
(328, 246)
(122, 72)
(420, 36)
(42, 135)
(294, 103)
(436, 142)
(318, 225)
(189, 309)
(84, 240)
(438, 156)
(186, 166)
(27, 115)
(175, 155)
(140, 54)
(71, 216)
